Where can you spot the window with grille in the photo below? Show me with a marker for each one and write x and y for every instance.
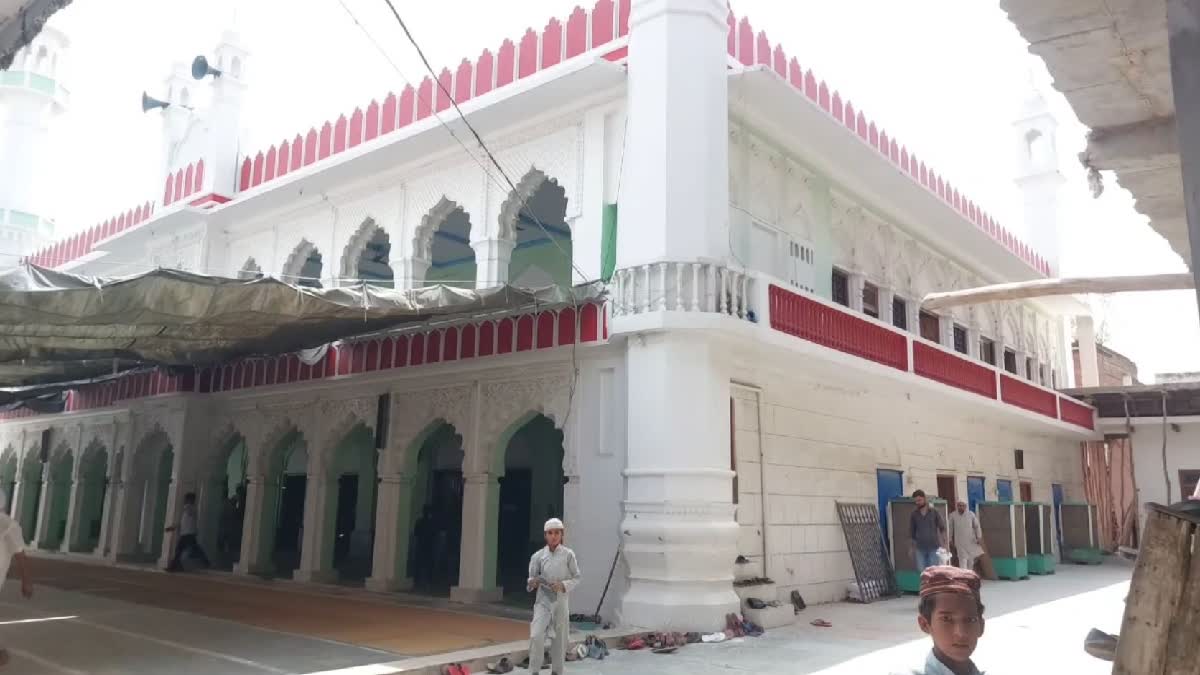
(871, 300)
(899, 313)
(960, 339)
(841, 288)
(929, 326)
(987, 350)
(1010, 361)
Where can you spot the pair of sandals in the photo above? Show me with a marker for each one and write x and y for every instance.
(456, 669)
(736, 626)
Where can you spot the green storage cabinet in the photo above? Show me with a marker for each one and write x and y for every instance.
(1003, 526)
(1081, 533)
(904, 558)
(1039, 537)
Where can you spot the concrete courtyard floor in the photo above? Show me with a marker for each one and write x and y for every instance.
(96, 625)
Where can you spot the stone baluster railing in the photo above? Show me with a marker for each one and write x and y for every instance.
(683, 287)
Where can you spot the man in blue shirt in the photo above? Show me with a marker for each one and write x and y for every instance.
(927, 530)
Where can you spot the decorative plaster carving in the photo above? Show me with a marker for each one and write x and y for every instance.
(503, 403)
(414, 411)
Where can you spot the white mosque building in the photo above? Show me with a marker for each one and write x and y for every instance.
(760, 354)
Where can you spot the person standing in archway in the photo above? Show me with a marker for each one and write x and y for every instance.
(553, 573)
(12, 549)
(187, 535)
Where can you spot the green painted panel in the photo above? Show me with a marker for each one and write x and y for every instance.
(41, 83)
(554, 260)
(461, 275)
(23, 218)
(16, 77)
(608, 242)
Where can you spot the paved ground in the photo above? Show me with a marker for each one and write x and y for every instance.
(95, 620)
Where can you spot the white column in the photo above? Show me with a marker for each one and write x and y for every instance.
(74, 507)
(477, 567)
(973, 345)
(410, 272)
(1022, 372)
(316, 552)
(389, 567)
(913, 309)
(491, 262)
(111, 486)
(674, 201)
(45, 501)
(856, 283)
(1089, 367)
(252, 527)
(946, 331)
(886, 296)
(679, 531)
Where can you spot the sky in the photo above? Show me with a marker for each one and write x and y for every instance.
(945, 77)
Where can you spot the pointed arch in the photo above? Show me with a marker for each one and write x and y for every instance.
(304, 266)
(367, 255)
(530, 184)
(443, 243)
(250, 270)
(422, 244)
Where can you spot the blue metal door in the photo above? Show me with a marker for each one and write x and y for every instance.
(1057, 490)
(975, 491)
(891, 486)
(1003, 490)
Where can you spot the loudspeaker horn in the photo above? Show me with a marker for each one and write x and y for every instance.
(150, 103)
(201, 69)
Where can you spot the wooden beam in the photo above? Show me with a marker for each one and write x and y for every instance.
(1183, 37)
(1049, 287)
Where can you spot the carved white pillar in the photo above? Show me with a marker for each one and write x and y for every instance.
(886, 296)
(1022, 371)
(856, 283)
(491, 262)
(251, 559)
(111, 487)
(74, 506)
(410, 272)
(477, 567)
(316, 553)
(946, 331)
(389, 568)
(973, 337)
(913, 309)
(45, 500)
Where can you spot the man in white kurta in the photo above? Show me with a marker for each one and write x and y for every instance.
(554, 573)
(12, 548)
(965, 535)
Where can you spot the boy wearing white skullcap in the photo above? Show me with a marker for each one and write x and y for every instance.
(553, 572)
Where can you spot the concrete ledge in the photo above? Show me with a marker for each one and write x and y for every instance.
(476, 595)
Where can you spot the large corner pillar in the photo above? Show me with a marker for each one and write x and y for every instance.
(477, 566)
(254, 534)
(679, 532)
(393, 514)
(1089, 367)
(492, 257)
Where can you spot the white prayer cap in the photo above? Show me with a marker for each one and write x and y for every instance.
(553, 524)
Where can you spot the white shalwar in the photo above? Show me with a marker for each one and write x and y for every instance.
(11, 543)
(550, 610)
(966, 535)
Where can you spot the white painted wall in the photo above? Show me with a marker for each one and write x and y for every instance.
(1183, 452)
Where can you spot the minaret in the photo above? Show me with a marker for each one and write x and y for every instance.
(31, 98)
(202, 122)
(1038, 175)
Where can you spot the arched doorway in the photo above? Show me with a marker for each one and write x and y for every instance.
(437, 497)
(350, 521)
(58, 499)
(284, 487)
(30, 494)
(531, 491)
(444, 240)
(368, 255)
(92, 487)
(8, 477)
(223, 504)
(148, 489)
(534, 218)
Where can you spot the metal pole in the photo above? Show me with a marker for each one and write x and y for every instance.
(1183, 31)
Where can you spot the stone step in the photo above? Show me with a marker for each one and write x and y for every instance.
(770, 617)
(764, 592)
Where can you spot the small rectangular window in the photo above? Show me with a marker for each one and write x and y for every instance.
(930, 329)
(987, 350)
(1029, 368)
(1054, 378)
(841, 288)
(1010, 361)
(871, 300)
(960, 339)
(899, 313)
(1019, 459)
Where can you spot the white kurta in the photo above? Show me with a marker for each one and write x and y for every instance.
(966, 537)
(551, 611)
(11, 543)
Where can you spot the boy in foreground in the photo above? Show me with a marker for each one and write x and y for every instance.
(12, 549)
(951, 612)
(554, 573)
